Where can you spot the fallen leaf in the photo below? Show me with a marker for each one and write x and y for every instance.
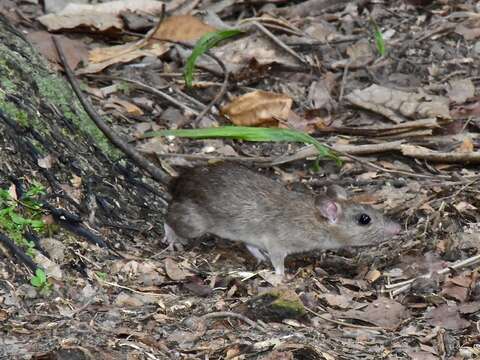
(100, 58)
(174, 272)
(336, 301)
(257, 108)
(75, 51)
(84, 22)
(153, 7)
(130, 108)
(461, 90)
(455, 292)
(446, 316)
(182, 28)
(383, 312)
(469, 308)
(469, 29)
(466, 146)
(47, 161)
(133, 300)
(399, 106)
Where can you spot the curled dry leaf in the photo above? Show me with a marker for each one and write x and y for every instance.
(399, 106)
(120, 104)
(257, 108)
(174, 272)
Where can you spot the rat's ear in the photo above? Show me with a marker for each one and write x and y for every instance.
(336, 192)
(328, 208)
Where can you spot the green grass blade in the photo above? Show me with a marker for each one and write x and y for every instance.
(248, 134)
(379, 41)
(205, 43)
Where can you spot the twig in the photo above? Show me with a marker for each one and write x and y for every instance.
(420, 152)
(153, 90)
(341, 323)
(365, 149)
(223, 88)
(279, 42)
(114, 138)
(221, 314)
(399, 287)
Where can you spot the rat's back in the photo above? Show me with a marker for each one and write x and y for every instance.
(222, 198)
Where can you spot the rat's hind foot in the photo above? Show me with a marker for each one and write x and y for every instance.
(255, 251)
(174, 241)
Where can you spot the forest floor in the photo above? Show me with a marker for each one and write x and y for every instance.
(393, 86)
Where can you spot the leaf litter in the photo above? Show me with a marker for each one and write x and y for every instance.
(406, 125)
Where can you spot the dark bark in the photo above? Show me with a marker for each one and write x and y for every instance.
(39, 117)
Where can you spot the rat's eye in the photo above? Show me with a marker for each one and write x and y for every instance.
(364, 219)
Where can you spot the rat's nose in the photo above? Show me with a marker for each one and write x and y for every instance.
(392, 228)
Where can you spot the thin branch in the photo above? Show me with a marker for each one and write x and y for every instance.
(114, 138)
(221, 314)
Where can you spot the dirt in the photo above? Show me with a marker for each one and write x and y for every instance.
(417, 296)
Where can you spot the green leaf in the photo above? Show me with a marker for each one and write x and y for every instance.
(35, 281)
(18, 219)
(205, 43)
(39, 279)
(37, 224)
(36, 189)
(379, 41)
(249, 134)
(4, 194)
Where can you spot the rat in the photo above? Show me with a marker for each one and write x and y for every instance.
(236, 203)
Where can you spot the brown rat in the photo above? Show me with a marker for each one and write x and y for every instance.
(236, 203)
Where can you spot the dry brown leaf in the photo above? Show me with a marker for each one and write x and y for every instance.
(75, 51)
(469, 29)
(399, 106)
(463, 205)
(458, 293)
(383, 312)
(257, 108)
(446, 316)
(336, 301)
(101, 58)
(84, 22)
(182, 28)
(130, 108)
(153, 7)
(240, 53)
(174, 272)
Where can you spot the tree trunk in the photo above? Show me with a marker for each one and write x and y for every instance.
(48, 138)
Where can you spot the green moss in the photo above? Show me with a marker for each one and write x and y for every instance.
(291, 307)
(51, 88)
(14, 112)
(59, 93)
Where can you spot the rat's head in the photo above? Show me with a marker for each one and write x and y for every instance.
(353, 224)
